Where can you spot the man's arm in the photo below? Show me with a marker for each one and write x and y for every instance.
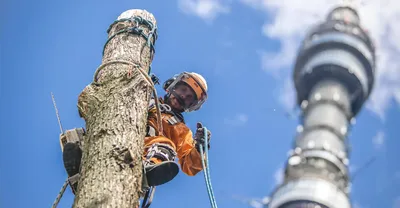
(189, 157)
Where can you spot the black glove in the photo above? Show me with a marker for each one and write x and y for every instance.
(199, 137)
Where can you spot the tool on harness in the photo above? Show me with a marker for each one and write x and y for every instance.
(155, 79)
(71, 146)
(71, 142)
(206, 169)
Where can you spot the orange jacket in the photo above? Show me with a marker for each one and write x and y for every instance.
(177, 135)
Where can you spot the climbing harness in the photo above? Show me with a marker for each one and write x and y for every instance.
(161, 151)
(206, 169)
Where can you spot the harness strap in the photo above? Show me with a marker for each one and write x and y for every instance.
(164, 108)
(151, 131)
(161, 151)
(173, 120)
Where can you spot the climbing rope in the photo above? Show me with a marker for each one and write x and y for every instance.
(136, 31)
(137, 20)
(147, 78)
(60, 194)
(148, 198)
(206, 170)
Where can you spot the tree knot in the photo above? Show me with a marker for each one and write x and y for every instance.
(124, 157)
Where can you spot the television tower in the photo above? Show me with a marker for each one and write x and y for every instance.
(333, 76)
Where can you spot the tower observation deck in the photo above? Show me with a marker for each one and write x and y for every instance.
(333, 76)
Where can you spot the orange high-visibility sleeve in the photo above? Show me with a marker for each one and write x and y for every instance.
(189, 157)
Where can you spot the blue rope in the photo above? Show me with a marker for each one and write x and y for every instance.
(206, 170)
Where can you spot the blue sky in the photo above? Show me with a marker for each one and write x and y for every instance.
(243, 48)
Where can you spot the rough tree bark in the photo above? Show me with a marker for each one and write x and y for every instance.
(114, 107)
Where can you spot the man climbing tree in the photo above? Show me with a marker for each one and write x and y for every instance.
(186, 92)
(118, 146)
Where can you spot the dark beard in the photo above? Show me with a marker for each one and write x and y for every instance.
(167, 101)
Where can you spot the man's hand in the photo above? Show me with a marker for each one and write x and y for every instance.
(199, 137)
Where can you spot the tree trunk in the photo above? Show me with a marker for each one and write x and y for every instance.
(114, 107)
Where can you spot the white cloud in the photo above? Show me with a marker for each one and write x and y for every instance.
(238, 120)
(256, 204)
(291, 19)
(356, 205)
(222, 66)
(278, 176)
(353, 168)
(379, 139)
(287, 94)
(253, 202)
(274, 63)
(207, 10)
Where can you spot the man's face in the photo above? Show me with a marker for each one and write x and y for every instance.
(185, 93)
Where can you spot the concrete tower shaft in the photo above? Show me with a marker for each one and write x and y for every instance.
(333, 77)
